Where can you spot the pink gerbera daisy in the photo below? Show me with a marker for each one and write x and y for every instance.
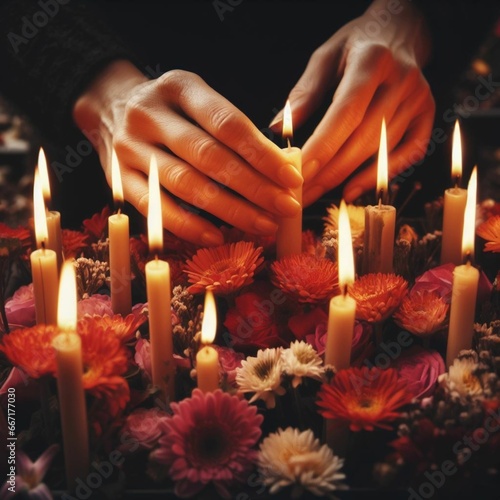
(209, 439)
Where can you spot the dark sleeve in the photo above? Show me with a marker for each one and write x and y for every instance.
(49, 51)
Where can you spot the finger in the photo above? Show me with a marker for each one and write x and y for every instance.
(184, 224)
(186, 183)
(318, 78)
(217, 162)
(408, 152)
(229, 125)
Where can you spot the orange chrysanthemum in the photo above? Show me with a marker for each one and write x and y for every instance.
(364, 398)
(31, 349)
(224, 269)
(378, 295)
(490, 231)
(306, 278)
(422, 312)
(73, 242)
(124, 328)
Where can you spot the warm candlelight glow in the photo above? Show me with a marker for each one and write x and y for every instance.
(209, 323)
(66, 307)
(345, 254)
(456, 154)
(40, 217)
(116, 179)
(44, 175)
(382, 167)
(470, 216)
(155, 226)
(287, 121)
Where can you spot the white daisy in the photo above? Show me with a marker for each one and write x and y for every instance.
(301, 360)
(261, 375)
(460, 380)
(293, 458)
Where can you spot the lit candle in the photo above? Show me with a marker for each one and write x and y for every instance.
(119, 247)
(465, 283)
(455, 199)
(67, 345)
(207, 359)
(54, 237)
(289, 233)
(380, 220)
(44, 269)
(342, 307)
(158, 294)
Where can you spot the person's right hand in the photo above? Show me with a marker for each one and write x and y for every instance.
(202, 143)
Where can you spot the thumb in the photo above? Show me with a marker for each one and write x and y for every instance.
(309, 91)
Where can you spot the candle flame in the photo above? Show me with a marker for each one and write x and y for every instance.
(67, 303)
(456, 153)
(209, 323)
(44, 175)
(40, 216)
(345, 253)
(287, 121)
(116, 179)
(382, 167)
(155, 226)
(469, 230)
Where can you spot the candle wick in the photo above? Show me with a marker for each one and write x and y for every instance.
(380, 201)
(42, 246)
(289, 143)
(344, 290)
(380, 197)
(457, 181)
(156, 257)
(468, 258)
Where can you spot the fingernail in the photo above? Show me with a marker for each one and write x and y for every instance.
(286, 205)
(314, 192)
(352, 194)
(310, 167)
(212, 239)
(277, 119)
(265, 225)
(290, 176)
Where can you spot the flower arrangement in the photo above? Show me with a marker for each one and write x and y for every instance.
(281, 421)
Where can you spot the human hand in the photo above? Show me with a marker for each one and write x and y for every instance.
(201, 142)
(373, 74)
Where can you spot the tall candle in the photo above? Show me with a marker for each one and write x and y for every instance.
(380, 220)
(54, 233)
(119, 248)
(289, 233)
(44, 269)
(465, 283)
(342, 307)
(207, 358)
(455, 199)
(158, 294)
(67, 345)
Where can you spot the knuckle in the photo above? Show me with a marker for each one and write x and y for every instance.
(223, 120)
(202, 149)
(380, 54)
(178, 180)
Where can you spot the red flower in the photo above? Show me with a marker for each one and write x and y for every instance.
(73, 243)
(19, 233)
(123, 328)
(364, 398)
(97, 226)
(306, 278)
(252, 323)
(224, 269)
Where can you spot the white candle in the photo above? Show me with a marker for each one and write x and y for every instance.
(465, 283)
(44, 269)
(380, 221)
(119, 248)
(70, 390)
(455, 199)
(54, 234)
(158, 294)
(342, 307)
(207, 358)
(289, 233)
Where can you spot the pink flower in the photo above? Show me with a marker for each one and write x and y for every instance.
(304, 325)
(96, 304)
(20, 308)
(209, 439)
(142, 429)
(420, 368)
(229, 361)
(143, 357)
(26, 388)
